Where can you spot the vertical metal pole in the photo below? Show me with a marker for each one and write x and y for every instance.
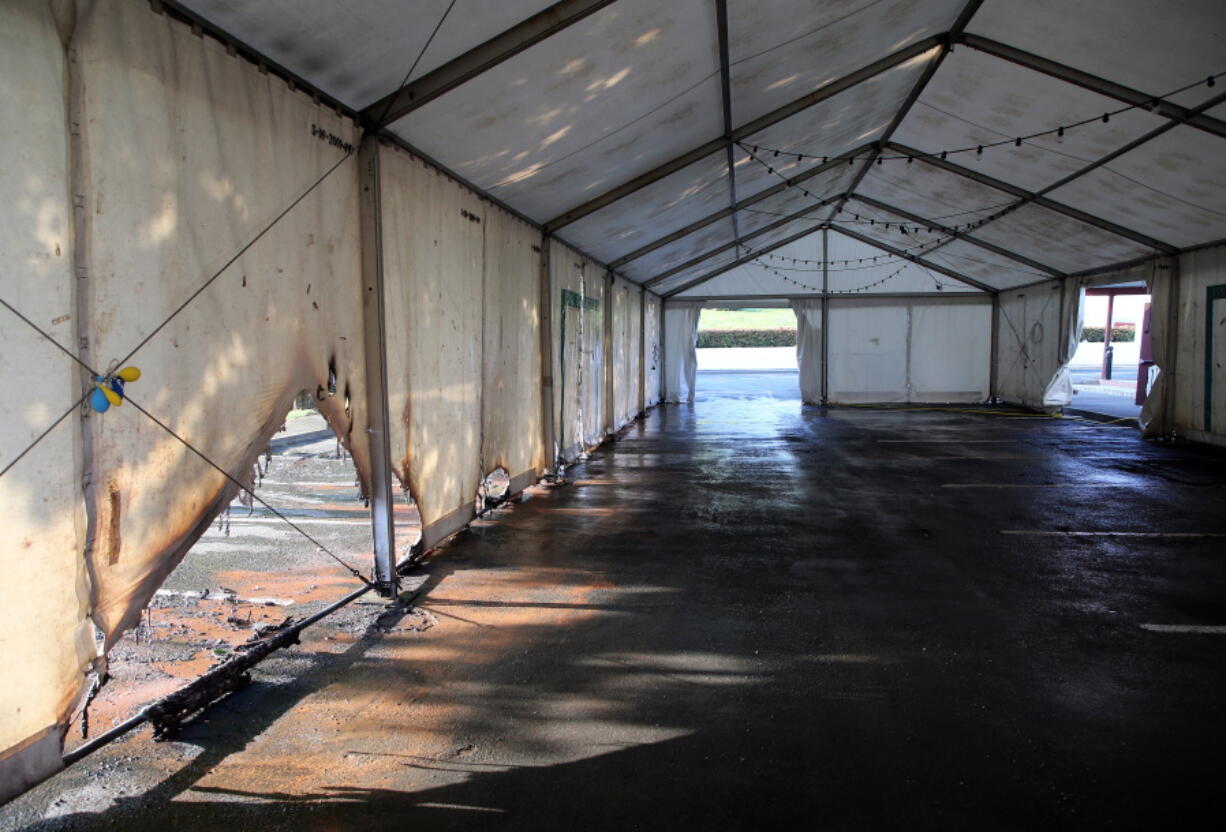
(1062, 332)
(663, 354)
(546, 335)
(1172, 348)
(825, 314)
(993, 369)
(1105, 371)
(374, 322)
(642, 394)
(610, 411)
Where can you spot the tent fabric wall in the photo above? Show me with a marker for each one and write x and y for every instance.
(951, 349)
(1196, 401)
(809, 348)
(434, 275)
(577, 309)
(652, 351)
(1156, 413)
(511, 436)
(1059, 391)
(633, 373)
(913, 350)
(1028, 343)
(592, 368)
(188, 153)
(680, 343)
(625, 368)
(46, 640)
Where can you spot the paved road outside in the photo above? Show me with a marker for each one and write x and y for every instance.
(746, 359)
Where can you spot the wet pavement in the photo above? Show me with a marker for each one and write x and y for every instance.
(746, 613)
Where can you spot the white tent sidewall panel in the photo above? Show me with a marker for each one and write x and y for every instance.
(625, 351)
(577, 309)
(189, 154)
(652, 351)
(433, 257)
(680, 344)
(1028, 343)
(46, 640)
(809, 359)
(1199, 400)
(923, 350)
(511, 436)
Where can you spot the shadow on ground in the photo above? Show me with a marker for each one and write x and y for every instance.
(747, 614)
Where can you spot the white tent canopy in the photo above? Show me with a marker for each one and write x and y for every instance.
(615, 131)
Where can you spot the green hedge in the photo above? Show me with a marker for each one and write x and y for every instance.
(747, 338)
(1119, 332)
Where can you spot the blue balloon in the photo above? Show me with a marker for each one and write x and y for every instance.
(98, 401)
(117, 385)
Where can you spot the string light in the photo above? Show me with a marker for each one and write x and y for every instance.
(953, 230)
(863, 288)
(1058, 132)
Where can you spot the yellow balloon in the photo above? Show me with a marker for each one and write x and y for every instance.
(111, 396)
(129, 373)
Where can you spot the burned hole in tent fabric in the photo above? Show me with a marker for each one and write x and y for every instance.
(249, 573)
(494, 489)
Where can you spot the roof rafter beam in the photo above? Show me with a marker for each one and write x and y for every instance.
(689, 264)
(958, 235)
(725, 89)
(740, 261)
(1045, 202)
(966, 296)
(766, 193)
(919, 261)
(964, 17)
(480, 59)
(1093, 83)
(744, 131)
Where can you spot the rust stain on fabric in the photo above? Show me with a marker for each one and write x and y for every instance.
(113, 538)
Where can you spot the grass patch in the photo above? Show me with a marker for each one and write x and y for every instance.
(746, 319)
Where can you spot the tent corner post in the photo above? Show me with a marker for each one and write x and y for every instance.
(387, 580)
(825, 315)
(993, 367)
(642, 380)
(610, 411)
(1172, 350)
(545, 317)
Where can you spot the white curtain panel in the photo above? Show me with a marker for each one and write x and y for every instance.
(1059, 392)
(809, 348)
(680, 356)
(1155, 413)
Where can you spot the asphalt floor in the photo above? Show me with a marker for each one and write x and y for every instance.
(747, 613)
